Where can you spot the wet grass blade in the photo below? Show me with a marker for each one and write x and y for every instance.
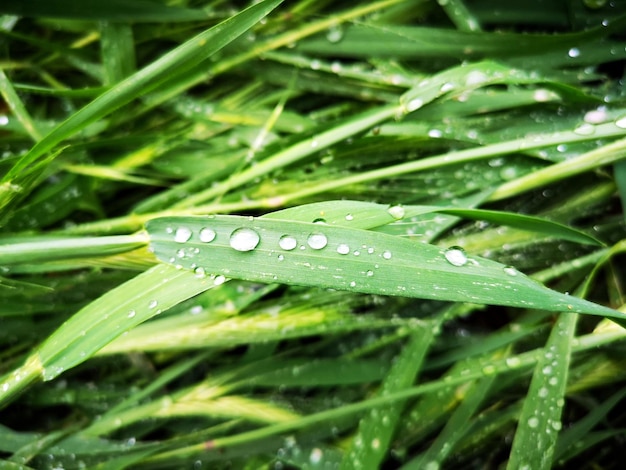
(297, 253)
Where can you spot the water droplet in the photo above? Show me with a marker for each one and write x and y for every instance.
(435, 133)
(207, 235)
(153, 304)
(352, 284)
(573, 52)
(585, 129)
(386, 254)
(182, 235)
(510, 271)
(596, 116)
(533, 422)
(334, 34)
(543, 392)
(199, 272)
(621, 122)
(131, 313)
(316, 456)
(287, 242)
(219, 280)
(455, 255)
(317, 241)
(349, 217)
(414, 104)
(281, 258)
(397, 212)
(343, 249)
(513, 361)
(244, 239)
(369, 273)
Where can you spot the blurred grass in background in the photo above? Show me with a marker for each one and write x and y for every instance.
(401, 157)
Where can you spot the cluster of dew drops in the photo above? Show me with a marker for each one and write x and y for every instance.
(246, 239)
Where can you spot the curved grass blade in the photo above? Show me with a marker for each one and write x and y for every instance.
(262, 250)
(103, 320)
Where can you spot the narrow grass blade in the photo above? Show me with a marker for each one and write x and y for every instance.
(113, 10)
(46, 248)
(96, 325)
(343, 258)
(184, 57)
(540, 421)
(373, 437)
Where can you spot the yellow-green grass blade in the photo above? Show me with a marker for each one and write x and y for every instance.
(327, 256)
(181, 59)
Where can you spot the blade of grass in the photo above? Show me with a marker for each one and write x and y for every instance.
(263, 250)
(540, 422)
(181, 59)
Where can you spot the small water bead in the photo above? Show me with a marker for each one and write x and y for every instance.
(281, 258)
(573, 52)
(199, 272)
(287, 242)
(182, 235)
(207, 235)
(455, 255)
(414, 104)
(352, 284)
(510, 271)
(317, 240)
(343, 249)
(219, 280)
(621, 122)
(152, 304)
(369, 273)
(349, 217)
(397, 212)
(244, 239)
(131, 313)
(386, 254)
(533, 422)
(585, 129)
(316, 456)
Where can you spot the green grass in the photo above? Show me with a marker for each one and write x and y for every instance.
(311, 235)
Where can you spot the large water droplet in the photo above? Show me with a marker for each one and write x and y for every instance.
(287, 242)
(317, 240)
(207, 235)
(343, 249)
(244, 239)
(533, 422)
(182, 235)
(397, 212)
(621, 123)
(455, 255)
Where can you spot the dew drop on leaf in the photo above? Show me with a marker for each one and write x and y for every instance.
(182, 235)
(219, 280)
(244, 239)
(386, 254)
(317, 241)
(287, 242)
(207, 235)
(343, 249)
(455, 255)
(397, 212)
(510, 271)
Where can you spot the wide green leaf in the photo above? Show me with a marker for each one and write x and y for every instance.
(330, 256)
